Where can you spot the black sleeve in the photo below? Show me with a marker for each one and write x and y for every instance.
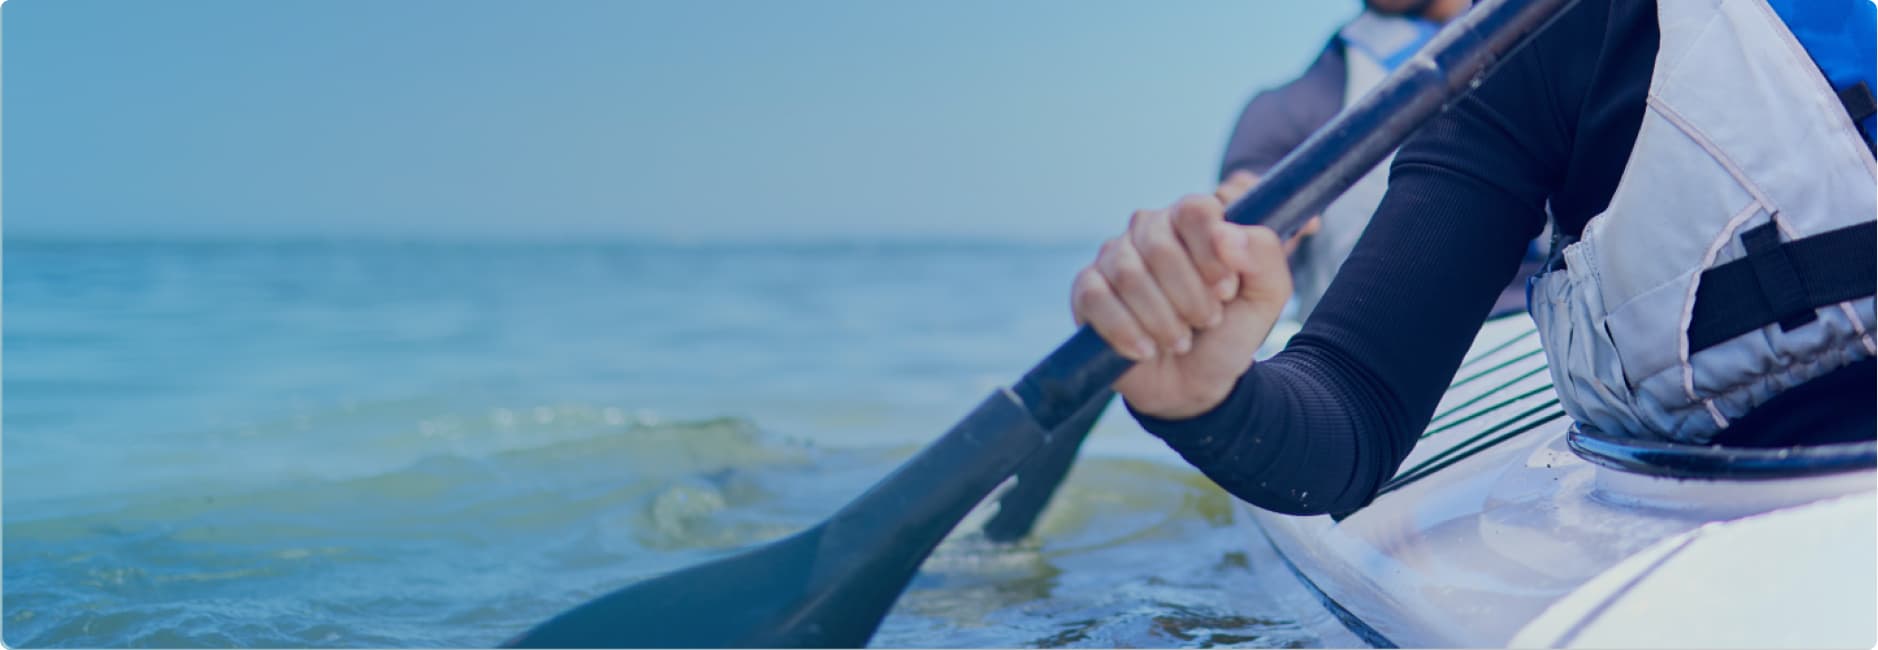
(1277, 120)
(1321, 426)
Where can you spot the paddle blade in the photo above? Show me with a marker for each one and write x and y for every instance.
(1040, 476)
(828, 586)
(754, 598)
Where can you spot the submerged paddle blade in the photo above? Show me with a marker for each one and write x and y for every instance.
(1038, 479)
(828, 586)
(710, 605)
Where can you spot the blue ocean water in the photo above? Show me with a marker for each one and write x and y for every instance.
(342, 444)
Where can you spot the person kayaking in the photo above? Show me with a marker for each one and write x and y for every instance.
(1277, 120)
(1707, 169)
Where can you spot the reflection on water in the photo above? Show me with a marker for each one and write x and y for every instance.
(428, 445)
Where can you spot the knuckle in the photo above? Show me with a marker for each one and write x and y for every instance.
(1130, 267)
(1139, 218)
(1125, 278)
(1161, 247)
(1079, 289)
(1089, 285)
(1188, 219)
(1202, 205)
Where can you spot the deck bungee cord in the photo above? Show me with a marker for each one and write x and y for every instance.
(1457, 415)
(1477, 398)
(1497, 367)
(1463, 451)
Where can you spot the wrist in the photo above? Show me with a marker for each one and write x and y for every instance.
(1191, 401)
(1194, 421)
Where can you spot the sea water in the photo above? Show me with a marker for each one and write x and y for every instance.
(333, 444)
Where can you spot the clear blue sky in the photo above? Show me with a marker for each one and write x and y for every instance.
(690, 119)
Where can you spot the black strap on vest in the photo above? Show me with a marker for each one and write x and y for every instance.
(1780, 283)
(1783, 283)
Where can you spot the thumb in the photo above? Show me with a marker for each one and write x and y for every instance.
(1310, 228)
(1260, 259)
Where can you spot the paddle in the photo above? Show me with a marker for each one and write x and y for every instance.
(831, 585)
(1039, 476)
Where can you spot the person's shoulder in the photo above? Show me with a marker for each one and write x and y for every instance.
(1278, 118)
(1328, 63)
(1582, 37)
(1318, 92)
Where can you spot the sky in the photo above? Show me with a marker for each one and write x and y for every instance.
(622, 119)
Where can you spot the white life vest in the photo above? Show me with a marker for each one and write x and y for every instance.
(1734, 261)
(1368, 41)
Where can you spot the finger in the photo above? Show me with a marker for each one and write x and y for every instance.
(1195, 228)
(1229, 241)
(1128, 276)
(1310, 228)
(1235, 186)
(1262, 244)
(1173, 269)
(1265, 269)
(1095, 304)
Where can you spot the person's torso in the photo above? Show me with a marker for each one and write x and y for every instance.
(1745, 200)
(1610, 98)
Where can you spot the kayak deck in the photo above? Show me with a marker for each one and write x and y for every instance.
(1493, 519)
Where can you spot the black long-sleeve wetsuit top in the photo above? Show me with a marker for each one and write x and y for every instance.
(1322, 425)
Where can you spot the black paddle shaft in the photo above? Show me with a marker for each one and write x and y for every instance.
(1317, 172)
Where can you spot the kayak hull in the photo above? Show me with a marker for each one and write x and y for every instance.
(1499, 532)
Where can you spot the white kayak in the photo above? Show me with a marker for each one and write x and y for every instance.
(1509, 526)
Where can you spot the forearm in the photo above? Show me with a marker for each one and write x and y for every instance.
(1283, 441)
(1321, 426)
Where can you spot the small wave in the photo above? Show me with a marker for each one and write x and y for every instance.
(463, 547)
(554, 479)
(89, 571)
